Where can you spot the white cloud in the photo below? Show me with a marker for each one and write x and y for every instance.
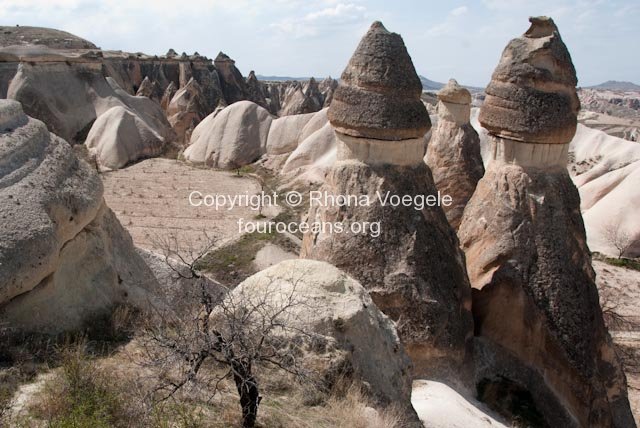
(341, 10)
(459, 11)
(318, 22)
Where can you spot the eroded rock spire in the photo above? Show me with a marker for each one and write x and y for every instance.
(538, 321)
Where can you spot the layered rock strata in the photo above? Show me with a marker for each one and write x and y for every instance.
(413, 270)
(64, 255)
(537, 318)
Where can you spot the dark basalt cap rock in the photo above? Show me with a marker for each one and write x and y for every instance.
(532, 95)
(379, 92)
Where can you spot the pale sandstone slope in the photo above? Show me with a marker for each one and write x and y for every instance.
(606, 170)
(64, 255)
(236, 136)
(119, 137)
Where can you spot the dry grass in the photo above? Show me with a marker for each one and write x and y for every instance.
(85, 391)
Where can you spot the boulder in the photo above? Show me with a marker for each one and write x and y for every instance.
(344, 314)
(539, 326)
(453, 153)
(236, 136)
(65, 257)
(119, 137)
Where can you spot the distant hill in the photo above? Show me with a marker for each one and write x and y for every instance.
(427, 84)
(614, 85)
(282, 78)
(430, 85)
(50, 37)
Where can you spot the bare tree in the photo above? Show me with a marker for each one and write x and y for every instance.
(241, 331)
(618, 325)
(618, 237)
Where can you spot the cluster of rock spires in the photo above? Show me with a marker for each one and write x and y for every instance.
(89, 81)
(293, 97)
(537, 316)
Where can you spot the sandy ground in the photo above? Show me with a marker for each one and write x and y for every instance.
(617, 126)
(151, 199)
(440, 406)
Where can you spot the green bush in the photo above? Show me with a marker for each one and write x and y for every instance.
(625, 263)
(79, 396)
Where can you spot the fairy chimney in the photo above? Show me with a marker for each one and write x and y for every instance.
(537, 317)
(413, 267)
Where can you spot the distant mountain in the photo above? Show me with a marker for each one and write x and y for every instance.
(427, 84)
(614, 85)
(430, 85)
(282, 78)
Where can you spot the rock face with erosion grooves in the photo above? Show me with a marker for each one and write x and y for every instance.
(186, 109)
(234, 137)
(69, 98)
(453, 153)
(606, 170)
(233, 85)
(537, 318)
(285, 132)
(314, 154)
(413, 270)
(335, 306)
(64, 255)
(255, 92)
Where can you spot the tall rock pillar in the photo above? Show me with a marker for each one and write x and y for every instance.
(453, 154)
(538, 322)
(414, 269)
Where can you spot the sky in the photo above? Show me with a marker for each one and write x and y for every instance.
(459, 39)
